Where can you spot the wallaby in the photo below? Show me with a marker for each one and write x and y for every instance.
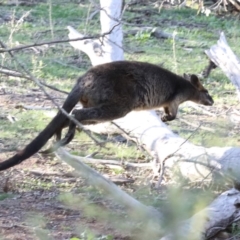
(110, 91)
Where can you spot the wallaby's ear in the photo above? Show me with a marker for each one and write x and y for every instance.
(186, 76)
(194, 80)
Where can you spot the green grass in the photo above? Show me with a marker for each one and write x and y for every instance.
(5, 196)
(26, 123)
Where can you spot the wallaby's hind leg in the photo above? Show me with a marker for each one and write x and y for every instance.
(67, 139)
(62, 142)
(92, 116)
(58, 133)
(102, 113)
(59, 141)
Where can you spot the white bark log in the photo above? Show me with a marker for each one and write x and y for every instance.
(222, 55)
(222, 212)
(137, 211)
(194, 162)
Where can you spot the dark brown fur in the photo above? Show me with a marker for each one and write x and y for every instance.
(110, 91)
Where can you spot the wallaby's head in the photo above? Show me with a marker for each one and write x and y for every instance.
(202, 96)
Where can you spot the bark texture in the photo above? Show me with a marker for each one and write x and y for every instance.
(223, 57)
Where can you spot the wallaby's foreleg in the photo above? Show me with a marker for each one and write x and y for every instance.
(170, 112)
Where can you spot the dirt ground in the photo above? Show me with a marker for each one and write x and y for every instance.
(58, 221)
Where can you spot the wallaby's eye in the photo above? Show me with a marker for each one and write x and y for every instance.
(207, 94)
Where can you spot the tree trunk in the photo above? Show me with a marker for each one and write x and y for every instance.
(222, 55)
(110, 19)
(109, 48)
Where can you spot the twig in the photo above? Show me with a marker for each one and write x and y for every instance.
(123, 131)
(120, 180)
(48, 173)
(53, 88)
(5, 49)
(13, 73)
(216, 5)
(201, 109)
(135, 139)
(97, 180)
(20, 106)
(114, 162)
(65, 64)
(154, 165)
(195, 125)
(171, 155)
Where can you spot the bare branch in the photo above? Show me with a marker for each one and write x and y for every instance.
(5, 49)
(140, 211)
(162, 170)
(115, 162)
(13, 73)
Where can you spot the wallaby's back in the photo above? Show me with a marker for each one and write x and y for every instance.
(141, 85)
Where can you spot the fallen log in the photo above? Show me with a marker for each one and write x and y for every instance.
(223, 57)
(222, 212)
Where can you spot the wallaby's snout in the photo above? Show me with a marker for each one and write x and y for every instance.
(201, 96)
(207, 99)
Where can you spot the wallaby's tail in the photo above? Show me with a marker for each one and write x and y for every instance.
(47, 133)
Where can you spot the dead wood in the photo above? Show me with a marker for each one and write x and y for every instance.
(28, 107)
(14, 73)
(222, 212)
(223, 57)
(205, 224)
(115, 162)
(139, 212)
